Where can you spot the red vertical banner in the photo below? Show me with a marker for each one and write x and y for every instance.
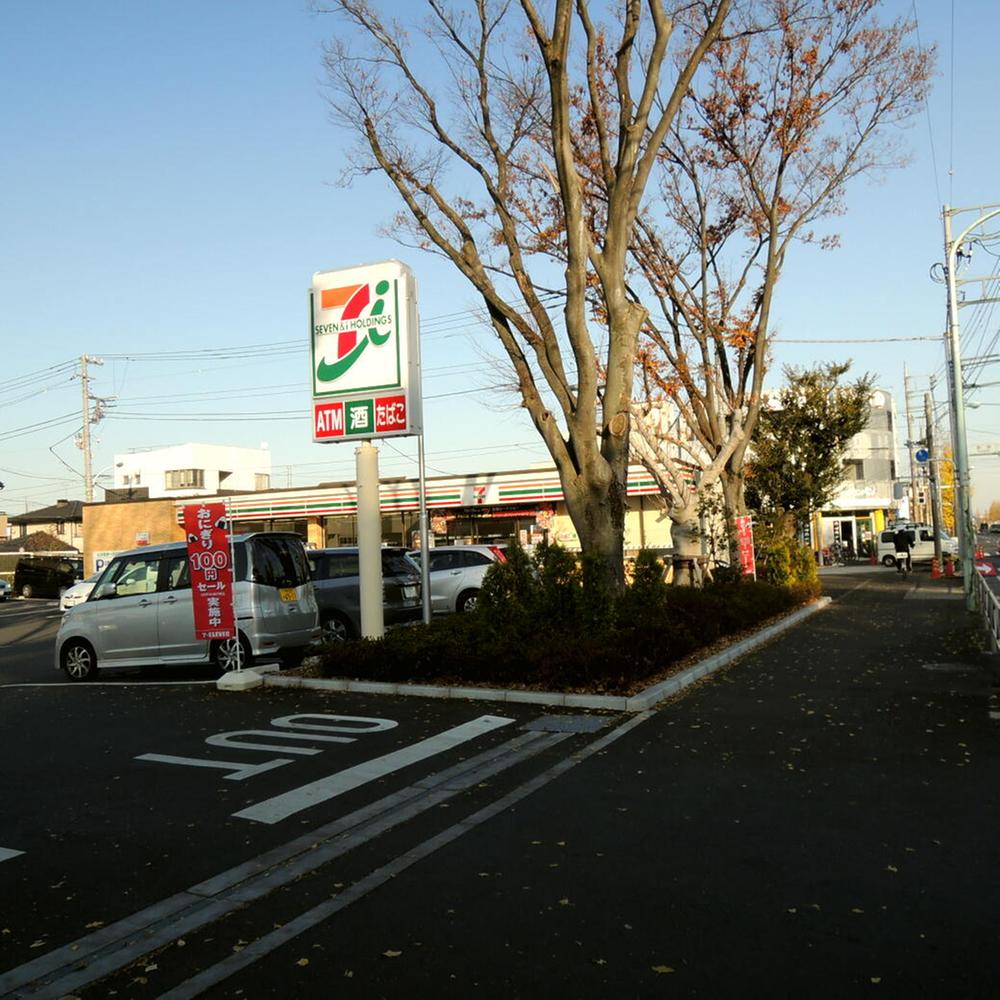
(210, 562)
(744, 538)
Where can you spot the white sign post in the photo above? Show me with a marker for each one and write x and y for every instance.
(365, 353)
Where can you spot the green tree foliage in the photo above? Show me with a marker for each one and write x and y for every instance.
(799, 444)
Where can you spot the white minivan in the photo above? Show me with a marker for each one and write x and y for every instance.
(140, 612)
(923, 544)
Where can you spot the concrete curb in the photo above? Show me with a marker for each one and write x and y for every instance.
(615, 703)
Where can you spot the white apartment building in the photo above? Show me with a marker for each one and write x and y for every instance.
(862, 505)
(192, 470)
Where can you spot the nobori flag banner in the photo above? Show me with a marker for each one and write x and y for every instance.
(365, 354)
(744, 538)
(210, 566)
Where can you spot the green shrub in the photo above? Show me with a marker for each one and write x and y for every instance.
(551, 622)
(774, 562)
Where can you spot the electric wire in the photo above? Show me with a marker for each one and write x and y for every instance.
(927, 111)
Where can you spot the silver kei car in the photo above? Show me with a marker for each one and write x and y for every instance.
(140, 612)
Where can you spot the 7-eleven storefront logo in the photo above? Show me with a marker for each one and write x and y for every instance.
(355, 338)
(364, 352)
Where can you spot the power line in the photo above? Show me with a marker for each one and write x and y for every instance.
(851, 340)
(927, 110)
(951, 137)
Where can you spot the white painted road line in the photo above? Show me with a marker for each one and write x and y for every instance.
(6, 853)
(240, 771)
(282, 806)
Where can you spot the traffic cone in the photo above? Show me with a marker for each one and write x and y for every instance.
(980, 553)
(949, 567)
(935, 570)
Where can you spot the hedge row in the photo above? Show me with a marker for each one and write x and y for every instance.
(549, 623)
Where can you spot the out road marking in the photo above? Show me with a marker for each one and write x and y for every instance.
(6, 853)
(239, 770)
(282, 806)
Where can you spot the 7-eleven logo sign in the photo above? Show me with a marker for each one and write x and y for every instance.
(355, 337)
(365, 355)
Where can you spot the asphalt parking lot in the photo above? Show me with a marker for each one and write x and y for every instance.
(813, 821)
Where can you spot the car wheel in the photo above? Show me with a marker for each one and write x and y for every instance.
(224, 654)
(467, 601)
(79, 661)
(888, 560)
(26, 590)
(337, 628)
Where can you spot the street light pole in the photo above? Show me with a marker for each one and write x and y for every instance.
(966, 546)
(932, 467)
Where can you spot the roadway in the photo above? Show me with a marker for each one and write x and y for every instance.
(816, 820)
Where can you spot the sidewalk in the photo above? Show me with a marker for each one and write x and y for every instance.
(820, 820)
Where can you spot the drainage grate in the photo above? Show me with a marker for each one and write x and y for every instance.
(567, 723)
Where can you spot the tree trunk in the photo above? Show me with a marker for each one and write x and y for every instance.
(688, 566)
(596, 505)
(732, 483)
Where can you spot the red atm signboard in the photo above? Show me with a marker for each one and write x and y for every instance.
(210, 563)
(377, 416)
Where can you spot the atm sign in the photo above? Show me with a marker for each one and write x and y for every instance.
(328, 421)
(355, 417)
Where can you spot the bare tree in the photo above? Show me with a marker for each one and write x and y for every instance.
(485, 133)
(801, 97)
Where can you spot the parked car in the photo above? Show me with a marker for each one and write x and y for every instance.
(995, 527)
(78, 593)
(923, 544)
(46, 576)
(141, 613)
(456, 574)
(335, 576)
(4, 589)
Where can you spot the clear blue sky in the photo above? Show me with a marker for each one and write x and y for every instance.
(168, 182)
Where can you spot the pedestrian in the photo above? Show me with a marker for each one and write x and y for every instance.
(902, 541)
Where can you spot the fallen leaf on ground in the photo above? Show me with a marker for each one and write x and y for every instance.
(303, 962)
(662, 969)
(389, 953)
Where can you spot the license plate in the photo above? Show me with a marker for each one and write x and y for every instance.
(288, 594)
(409, 592)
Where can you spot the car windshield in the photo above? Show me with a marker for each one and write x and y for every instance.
(397, 564)
(277, 561)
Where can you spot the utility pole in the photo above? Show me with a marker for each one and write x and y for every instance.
(88, 476)
(932, 466)
(952, 247)
(914, 511)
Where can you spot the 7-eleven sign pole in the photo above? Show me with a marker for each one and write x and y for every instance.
(369, 542)
(365, 359)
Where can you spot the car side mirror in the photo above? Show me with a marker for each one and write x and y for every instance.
(105, 590)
